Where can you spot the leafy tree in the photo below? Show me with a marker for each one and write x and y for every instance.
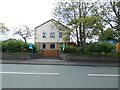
(108, 34)
(24, 31)
(87, 20)
(80, 17)
(3, 31)
(110, 11)
(116, 9)
(3, 28)
(66, 12)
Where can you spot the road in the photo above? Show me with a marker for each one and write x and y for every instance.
(58, 76)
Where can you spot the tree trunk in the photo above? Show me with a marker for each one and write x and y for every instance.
(25, 39)
(80, 26)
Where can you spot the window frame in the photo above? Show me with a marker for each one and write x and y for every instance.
(44, 35)
(52, 34)
(52, 45)
(60, 35)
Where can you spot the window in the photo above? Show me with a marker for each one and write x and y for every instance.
(52, 35)
(52, 46)
(60, 34)
(44, 46)
(44, 35)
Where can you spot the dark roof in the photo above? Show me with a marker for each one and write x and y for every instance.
(49, 21)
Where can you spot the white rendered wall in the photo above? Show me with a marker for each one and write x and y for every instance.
(47, 28)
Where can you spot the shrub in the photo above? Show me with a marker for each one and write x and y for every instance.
(107, 47)
(73, 50)
(99, 49)
(16, 46)
(102, 48)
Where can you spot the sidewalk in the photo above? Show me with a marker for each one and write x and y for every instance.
(58, 62)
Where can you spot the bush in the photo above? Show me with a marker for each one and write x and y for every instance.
(102, 48)
(72, 50)
(16, 46)
(92, 48)
(107, 47)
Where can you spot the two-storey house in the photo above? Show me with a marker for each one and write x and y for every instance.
(48, 37)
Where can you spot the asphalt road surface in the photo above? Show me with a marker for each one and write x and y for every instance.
(58, 76)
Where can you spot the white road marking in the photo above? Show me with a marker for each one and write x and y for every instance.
(103, 75)
(28, 73)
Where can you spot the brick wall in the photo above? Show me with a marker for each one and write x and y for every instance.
(50, 53)
(117, 47)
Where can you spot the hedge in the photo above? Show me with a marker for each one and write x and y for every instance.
(16, 46)
(98, 49)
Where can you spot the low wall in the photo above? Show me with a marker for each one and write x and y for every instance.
(15, 55)
(89, 58)
(19, 56)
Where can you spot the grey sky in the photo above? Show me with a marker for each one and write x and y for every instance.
(27, 12)
(24, 12)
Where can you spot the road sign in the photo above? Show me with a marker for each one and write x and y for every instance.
(30, 46)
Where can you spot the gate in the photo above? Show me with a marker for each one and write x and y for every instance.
(50, 53)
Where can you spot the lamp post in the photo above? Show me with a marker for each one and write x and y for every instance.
(57, 44)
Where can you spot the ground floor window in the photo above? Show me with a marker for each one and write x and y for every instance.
(44, 46)
(52, 46)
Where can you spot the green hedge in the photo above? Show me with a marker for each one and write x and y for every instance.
(73, 50)
(101, 48)
(16, 46)
(98, 49)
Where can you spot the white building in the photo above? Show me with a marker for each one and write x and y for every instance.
(48, 37)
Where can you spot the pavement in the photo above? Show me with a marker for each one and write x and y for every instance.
(58, 62)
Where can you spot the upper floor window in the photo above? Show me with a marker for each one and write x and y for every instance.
(52, 35)
(44, 35)
(60, 34)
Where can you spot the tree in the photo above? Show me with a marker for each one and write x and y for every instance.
(110, 11)
(3, 28)
(24, 31)
(81, 17)
(108, 34)
(116, 9)
(3, 31)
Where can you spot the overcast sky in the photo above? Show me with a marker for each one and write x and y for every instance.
(25, 12)
(28, 12)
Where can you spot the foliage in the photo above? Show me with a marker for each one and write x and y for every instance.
(24, 31)
(105, 49)
(108, 34)
(87, 20)
(82, 18)
(110, 11)
(73, 50)
(92, 48)
(16, 46)
(3, 28)
(100, 48)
